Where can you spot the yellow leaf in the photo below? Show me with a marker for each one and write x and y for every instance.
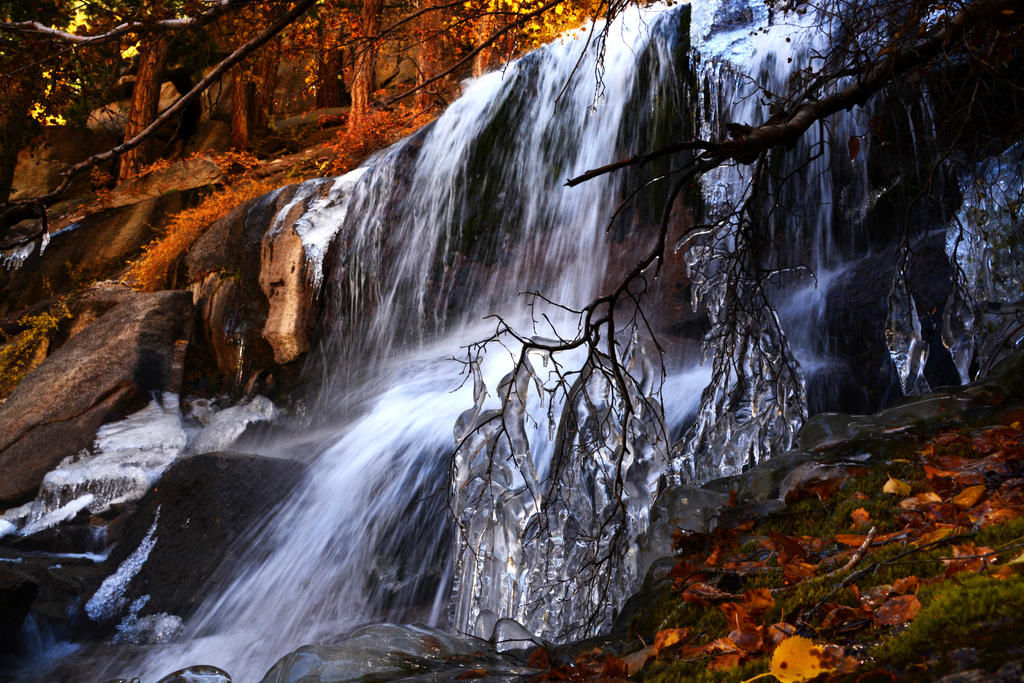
(798, 659)
(969, 496)
(896, 487)
(130, 51)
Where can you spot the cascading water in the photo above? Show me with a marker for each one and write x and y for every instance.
(477, 196)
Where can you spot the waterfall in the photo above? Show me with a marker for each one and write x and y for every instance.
(427, 238)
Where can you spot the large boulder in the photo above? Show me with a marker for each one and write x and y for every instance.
(255, 281)
(86, 247)
(201, 508)
(107, 370)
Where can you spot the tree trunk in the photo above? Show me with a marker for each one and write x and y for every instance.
(241, 103)
(428, 58)
(265, 83)
(488, 57)
(145, 102)
(330, 87)
(365, 65)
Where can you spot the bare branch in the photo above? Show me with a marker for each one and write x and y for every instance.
(35, 28)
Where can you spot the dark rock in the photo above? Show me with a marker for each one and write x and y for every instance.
(390, 652)
(207, 502)
(17, 591)
(107, 370)
(864, 378)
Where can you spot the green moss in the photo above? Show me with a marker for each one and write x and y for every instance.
(975, 611)
(674, 671)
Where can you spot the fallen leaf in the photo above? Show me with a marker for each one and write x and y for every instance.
(936, 534)
(749, 639)
(636, 661)
(795, 571)
(725, 662)
(896, 487)
(897, 610)
(669, 637)
(920, 500)
(758, 601)
(798, 659)
(471, 674)
(1004, 572)
(853, 540)
(969, 496)
(860, 517)
(968, 558)
(908, 584)
(854, 145)
(778, 632)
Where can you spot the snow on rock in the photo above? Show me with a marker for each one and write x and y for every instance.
(128, 457)
(108, 600)
(148, 630)
(224, 426)
(322, 220)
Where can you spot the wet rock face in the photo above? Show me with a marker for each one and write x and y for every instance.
(207, 502)
(105, 371)
(286, 282)
(249, 278)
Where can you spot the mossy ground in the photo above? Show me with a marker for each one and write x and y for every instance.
(980, 608)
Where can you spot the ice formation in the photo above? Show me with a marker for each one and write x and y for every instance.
(109, 600)
(984, 316)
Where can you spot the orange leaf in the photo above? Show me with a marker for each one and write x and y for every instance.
(748, 639)
(860, 517)
(969, 496)
(853, 540)
(897, 610)
(937, 534)
(854, 145)
(909, 584)
(896, 487)
(725, 662)
(758, 600)
(669, 637)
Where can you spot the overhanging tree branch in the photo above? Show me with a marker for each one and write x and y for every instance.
(35, 28)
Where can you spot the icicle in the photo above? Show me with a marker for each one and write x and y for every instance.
(909, 352)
